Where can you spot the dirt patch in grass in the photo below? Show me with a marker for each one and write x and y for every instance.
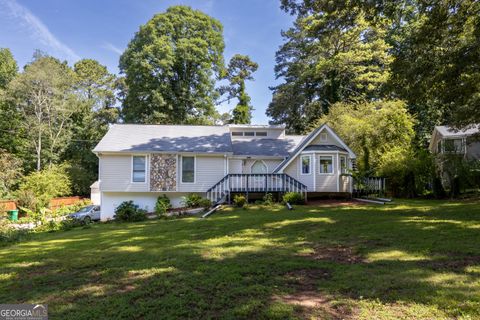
(338, 253)
(305, 279)
(453, 263)
(315, 305)
(334, 203)
(309, 302)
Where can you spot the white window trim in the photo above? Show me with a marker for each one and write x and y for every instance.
(309, 166)
(320, 167)
(194, 169)
(131, 168)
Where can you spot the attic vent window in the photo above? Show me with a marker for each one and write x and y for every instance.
(323, 137)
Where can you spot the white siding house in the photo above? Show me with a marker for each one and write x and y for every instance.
(141, 162)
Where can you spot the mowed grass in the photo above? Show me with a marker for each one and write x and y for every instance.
(408, 260)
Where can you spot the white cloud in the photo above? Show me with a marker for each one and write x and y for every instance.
(113, 48)
(37, 29)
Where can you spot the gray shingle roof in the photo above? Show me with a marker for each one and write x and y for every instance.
(266, 147)
(169, 138)
(324, 147)
(447, 131)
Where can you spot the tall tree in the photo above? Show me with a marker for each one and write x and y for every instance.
(8, 67)
(436, 69)
(332, 53)
(240, 68)
(43, 96)
(10, 136)
(95, 87)
(170, 68)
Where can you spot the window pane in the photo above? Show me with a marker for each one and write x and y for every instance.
(237, 133)
(188, 169)
(249, 133)
(343, 164)
(138, 163)
(261, 134)
(305, 165)
(453, 145)
(138, 176)
(326, 165)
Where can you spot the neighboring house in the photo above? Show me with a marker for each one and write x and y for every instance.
(141, 162)
(446, 140)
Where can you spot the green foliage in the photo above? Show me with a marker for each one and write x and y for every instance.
(293, 198)
(268, 199)
(194, 200)
(331, 54)
(8, 67)
(95, 87)
(46, 184)
(59, 225)
(170, 68)
(45, 100)
(375, 131)
(162, 205)
(240, 69)
(10, 174)
(26, 199)
(128, 211)
(457, 174)
(205, 203)
(240, 200)
(8, 234)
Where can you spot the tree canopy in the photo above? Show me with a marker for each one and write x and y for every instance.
(240, 68)
(170, 68)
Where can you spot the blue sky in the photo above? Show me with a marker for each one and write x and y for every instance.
(100, 30)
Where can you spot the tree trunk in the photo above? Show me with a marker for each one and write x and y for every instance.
(39, 151)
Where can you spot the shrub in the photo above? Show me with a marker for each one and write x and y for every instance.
(205, 203)
(193, 200)
(293, 198)
(240, 200)
(162, 205)
(26, 199)
(11, 173)
(8, 234)
(128, 211)
(47, 184)
(268, 199)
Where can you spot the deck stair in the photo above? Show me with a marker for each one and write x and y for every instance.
(254, 183)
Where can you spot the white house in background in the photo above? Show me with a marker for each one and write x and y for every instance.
(141, 162)
(446, 140)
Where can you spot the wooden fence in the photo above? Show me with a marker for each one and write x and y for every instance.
(55, 203)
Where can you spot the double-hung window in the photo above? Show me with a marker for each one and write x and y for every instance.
(306, 160)
(188, 169)
(139, 168)
(326, 164)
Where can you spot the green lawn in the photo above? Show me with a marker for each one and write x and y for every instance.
(409, 260)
